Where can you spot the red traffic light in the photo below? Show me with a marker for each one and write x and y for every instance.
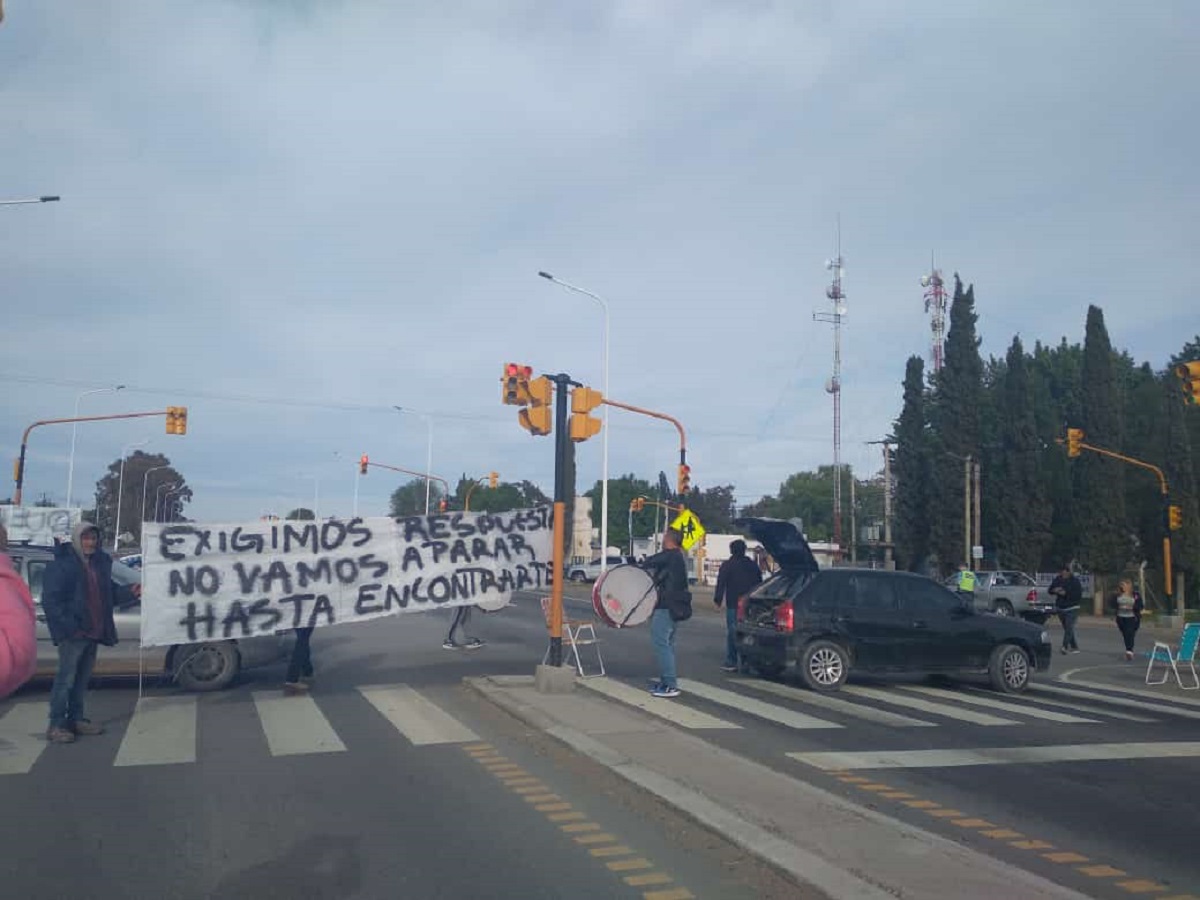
(362, 465)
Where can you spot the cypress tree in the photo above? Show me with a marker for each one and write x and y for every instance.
(911, 471)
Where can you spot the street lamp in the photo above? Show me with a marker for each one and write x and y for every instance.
(121, 487)
(604, 390)
(145, 482)
(75, 427)
(158, 495)
(29, 200)
(428, 451)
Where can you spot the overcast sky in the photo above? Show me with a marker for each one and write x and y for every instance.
(291, 216)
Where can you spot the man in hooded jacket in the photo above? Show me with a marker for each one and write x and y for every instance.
(77, 598)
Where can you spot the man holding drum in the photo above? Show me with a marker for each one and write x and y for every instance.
(669, 569)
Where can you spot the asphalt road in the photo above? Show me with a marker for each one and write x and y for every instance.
(392, 780)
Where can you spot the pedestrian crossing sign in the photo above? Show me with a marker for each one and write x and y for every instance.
(687, 523)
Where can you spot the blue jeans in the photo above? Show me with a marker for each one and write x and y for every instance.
(662, 633)
(731, 654)
(1068, 617)
(76, 657)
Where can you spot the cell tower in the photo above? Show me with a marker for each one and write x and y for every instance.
(935, 305)
(834, 384)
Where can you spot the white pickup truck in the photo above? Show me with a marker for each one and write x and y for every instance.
(581, 573)
(1009, 593)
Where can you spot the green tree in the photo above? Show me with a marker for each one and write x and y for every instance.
(1021, 534)
(300, 514)
(409, 498)
(621, 492)
(714, 506)
(1056, 378)
(912, 472)
(505, 496)
(1100, 481)
(1180, 470)
(151, 470)
(955, 417)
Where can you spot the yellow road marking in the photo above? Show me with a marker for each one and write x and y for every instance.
(1065, 856)
(1105, 872)
(922, 804)
(946, 813)
(674, 894)
(552, 807)
(896, 795)
(474, 748)
(629, 865)
(617, 850)
(566, 817)
(576, 827)
(1141, 886)
(647, 879)
(513, 781)
(874, 787)
(538, 788)
(973, 823)
(1032, 845)
(854, 779)
(602, 838)
(541, 798)
(1003, 834)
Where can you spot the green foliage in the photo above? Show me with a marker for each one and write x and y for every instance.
(300, 514)
(151, 470)
(621, 491)
(911, 471)
(409, 498)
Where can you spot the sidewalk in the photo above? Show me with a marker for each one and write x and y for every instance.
(815, 837)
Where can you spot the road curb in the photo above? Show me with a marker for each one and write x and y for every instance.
(799, 865)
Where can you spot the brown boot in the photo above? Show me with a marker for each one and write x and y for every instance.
(56, 735)
(87, 727)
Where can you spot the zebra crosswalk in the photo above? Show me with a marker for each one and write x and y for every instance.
(162, 730)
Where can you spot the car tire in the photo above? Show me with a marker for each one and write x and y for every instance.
(206, 667)
(578, 577)
(824, 666)
(1003, 608)
(1009, 669)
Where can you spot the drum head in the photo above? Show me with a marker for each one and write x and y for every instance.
(624, 596)
(495, 603)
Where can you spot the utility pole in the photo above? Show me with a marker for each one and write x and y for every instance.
(853, 526)
(967, 511)
(888, 562)
(978, 515)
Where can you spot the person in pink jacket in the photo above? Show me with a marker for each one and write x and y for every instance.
(18, 638)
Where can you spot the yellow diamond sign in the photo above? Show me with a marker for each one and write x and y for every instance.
(687, 523)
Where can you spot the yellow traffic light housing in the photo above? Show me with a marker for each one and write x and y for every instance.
(583, 425)
(685, 478)
(176, 420)
(1074, 439)
(637, 504)
(516, 384)
(363, 462)
(1189, 374)
(1174, 517)
(493, 479)
(538, 416)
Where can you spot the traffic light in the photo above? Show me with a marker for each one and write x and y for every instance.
(637, 504)
(516, 384)
(493, 479)
(363, 462)
(583, 425)
(176, 420)
(1189, 373)
(1074, 439)
(443, 505)
(1174, 517)
(538, 416)
(685, 478)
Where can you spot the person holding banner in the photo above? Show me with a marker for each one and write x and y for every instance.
(462, 615)
(300, 670)
(674, 605)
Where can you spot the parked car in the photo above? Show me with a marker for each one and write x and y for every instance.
(1008, 593)
(582, 572)
(826, 623)
(195, 667)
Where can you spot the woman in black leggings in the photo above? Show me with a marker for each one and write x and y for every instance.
(1129, 613)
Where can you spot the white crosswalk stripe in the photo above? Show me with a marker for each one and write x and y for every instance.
(162, 732)
(671, 710)
(295, 726)
(1143, 705)
(1094, 709)
(991, 756)
(834, 704)
(1022, 709)
(770, 711)
(419, 720)
(941, 709)
(22, 737)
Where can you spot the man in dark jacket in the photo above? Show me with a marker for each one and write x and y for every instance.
(737, 576)
(669, 569)
(1067, 592)
(77, 598)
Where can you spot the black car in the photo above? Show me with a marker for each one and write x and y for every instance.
(826, 623)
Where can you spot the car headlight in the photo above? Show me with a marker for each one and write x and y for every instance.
(1045, 637)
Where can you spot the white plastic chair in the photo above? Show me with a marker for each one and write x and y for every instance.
(576, 633)
(1184, 656)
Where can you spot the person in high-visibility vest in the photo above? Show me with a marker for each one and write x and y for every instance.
(966, 580)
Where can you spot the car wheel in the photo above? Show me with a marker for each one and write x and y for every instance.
(207, 667)
(1009, 669)
(1003, 608)
(578, 577)
(825, 666)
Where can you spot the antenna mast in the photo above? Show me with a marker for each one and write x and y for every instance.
(834, 384)
(935, 305)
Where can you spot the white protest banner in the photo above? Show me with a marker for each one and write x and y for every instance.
(38, 525)
(216, 582)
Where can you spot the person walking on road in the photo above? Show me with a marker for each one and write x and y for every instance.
(1129, 613)
(669, 569)
(77, 599)
(462, 616)
(737, 577)
(300, 668)
(18, 637)
(1068, 594)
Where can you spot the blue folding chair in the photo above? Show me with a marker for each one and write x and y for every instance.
(1184, 656)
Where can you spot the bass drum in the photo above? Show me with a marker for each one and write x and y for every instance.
(624, 596)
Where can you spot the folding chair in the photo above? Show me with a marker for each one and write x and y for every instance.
(576, 633)
(1184, 656)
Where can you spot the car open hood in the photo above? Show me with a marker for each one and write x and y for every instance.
(783, 540)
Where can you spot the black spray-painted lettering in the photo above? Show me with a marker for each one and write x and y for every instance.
(278, 572)
(412, 555)
(240, 542)
(191, 579)
(361, 533)
(323, 607)
(318, 572)
(195, 618)
(412, 526)
(298, 601)
(366, 604)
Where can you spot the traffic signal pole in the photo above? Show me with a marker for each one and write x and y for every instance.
(683, 466)
(562, 490)
(19, 468)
